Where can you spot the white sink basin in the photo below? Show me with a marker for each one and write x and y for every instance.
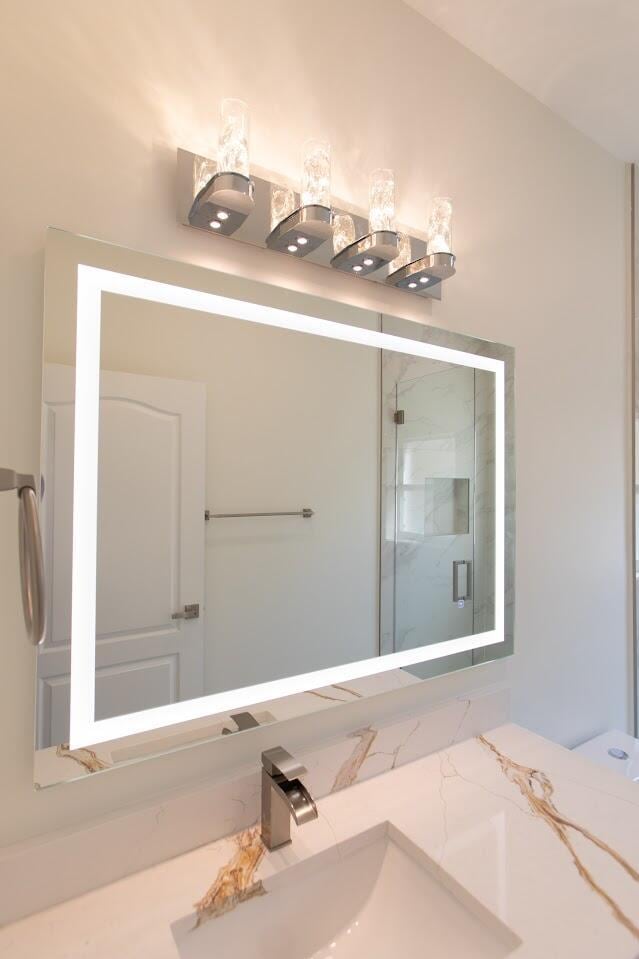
(377, 897)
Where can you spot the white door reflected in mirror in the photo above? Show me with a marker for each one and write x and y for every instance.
(150, 544)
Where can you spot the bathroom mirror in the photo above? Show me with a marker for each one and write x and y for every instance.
(255, 503)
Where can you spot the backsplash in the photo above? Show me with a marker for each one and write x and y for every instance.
(30, 872)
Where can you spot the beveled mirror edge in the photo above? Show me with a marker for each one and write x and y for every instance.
(58, 764)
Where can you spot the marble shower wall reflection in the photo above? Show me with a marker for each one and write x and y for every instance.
(446, 436)
(484, 513)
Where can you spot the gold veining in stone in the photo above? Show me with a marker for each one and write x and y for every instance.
(87, 758)
(348, 771)
(335, 699)
(346, 689)
(535, 786)
(235, 882)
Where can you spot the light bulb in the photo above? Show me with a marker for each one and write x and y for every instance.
(440, 226)
(316, 174)
(381, 201)
(282, 203)
(343, 231)
(404, 255)
(233, 140)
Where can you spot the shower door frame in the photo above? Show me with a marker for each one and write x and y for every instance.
(478, 654)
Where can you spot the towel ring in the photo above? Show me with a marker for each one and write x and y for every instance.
(30, 553)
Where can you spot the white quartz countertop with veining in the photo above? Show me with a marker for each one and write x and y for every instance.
(544, 839)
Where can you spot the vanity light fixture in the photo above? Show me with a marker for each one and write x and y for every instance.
(264, 212)
(303, 229)
(228, 197)
(439, 262)
(381, 244)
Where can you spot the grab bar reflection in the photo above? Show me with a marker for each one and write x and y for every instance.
(305, 513)
(30, 552)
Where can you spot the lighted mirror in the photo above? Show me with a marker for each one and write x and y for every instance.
(257, 503)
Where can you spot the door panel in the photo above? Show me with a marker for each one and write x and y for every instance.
(139, 494)
(136, 685)
(150, 558)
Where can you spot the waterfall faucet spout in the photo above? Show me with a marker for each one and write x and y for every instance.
(283, 797)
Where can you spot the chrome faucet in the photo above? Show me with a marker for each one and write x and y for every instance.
(283, 796)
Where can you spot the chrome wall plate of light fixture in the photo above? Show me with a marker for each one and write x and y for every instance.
(223, 197)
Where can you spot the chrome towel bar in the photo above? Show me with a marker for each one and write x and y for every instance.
(305, 513)
(30, 551)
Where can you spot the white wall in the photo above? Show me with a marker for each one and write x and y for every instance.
(95, 99)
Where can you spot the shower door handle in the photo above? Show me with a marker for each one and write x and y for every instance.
(462, 580)
(30, 551)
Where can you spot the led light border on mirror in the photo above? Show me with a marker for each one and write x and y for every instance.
(92, 282)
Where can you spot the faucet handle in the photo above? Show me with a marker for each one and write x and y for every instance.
(277, 762)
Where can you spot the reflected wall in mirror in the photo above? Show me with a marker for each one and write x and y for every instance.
(254, 500)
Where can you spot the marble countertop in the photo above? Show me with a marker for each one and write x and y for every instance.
(541, 837)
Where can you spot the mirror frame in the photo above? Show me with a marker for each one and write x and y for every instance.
(99, 267)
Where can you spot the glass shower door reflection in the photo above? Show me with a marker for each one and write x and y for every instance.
(434, 522)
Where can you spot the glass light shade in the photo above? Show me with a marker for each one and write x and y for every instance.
(282, 203)
(381, 201)
(405, 253)
(440, 226)
(204, 169)
(343, 232)
(233, 140)
(316, 173)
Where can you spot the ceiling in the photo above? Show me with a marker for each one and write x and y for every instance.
(579, 57)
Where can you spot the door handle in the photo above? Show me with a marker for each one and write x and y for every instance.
(190, 611)
(462, 580)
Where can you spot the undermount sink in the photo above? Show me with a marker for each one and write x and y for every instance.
(375, 896)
